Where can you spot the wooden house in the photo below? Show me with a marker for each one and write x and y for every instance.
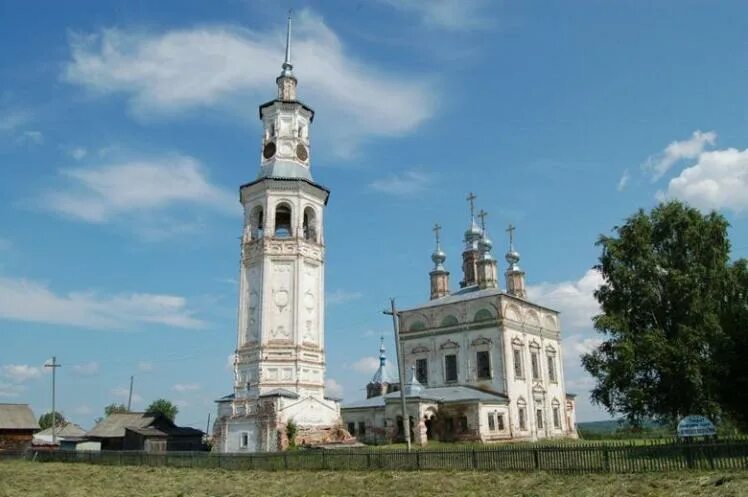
(17, 426)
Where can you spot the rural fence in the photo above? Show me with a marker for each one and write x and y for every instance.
(579, 458)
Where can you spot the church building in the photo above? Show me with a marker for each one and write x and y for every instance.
(279, 364)
(481, 363)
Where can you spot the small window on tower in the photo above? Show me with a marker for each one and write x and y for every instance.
(256, 222)
(283, 221)
(310, 225)
(244, 441)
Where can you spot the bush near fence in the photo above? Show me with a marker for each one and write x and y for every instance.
(580, 458)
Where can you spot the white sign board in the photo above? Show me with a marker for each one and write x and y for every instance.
(696, 426)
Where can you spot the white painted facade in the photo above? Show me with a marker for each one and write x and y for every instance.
(279, 367)
(485, 364)
(498, 324)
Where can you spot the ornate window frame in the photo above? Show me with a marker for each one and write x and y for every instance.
(518, 360)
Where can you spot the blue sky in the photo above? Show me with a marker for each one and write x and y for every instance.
(127, 127)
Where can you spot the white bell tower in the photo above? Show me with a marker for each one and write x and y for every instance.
(279, 369)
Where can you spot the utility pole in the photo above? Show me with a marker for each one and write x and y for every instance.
(129, 397)
(400, 369)
(54, 367)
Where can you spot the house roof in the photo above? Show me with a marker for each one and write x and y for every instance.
(457, 393)
(17, 417)
(148, 431)
(114, 425)
(470, 293)
(280, 392)
(68, 430)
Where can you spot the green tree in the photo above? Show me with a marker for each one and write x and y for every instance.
(662, 300)
(164, 407)
(45, 420)
(733, 349)
(114, 408)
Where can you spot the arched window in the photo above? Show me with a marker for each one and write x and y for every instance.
(449, 321)
(256, 222)
(283, 221)
(417, 326)
(310, 225)
(483, 315)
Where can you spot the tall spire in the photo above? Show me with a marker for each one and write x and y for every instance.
(287, 81)
(287, 66)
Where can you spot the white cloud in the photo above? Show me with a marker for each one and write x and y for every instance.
(574, 299)
(577, 304)
(100, 194)
(33, 137)
(341, 296)
(451, 15)
(12, 119)
(333, 388)
(27, 300)
(366, 365)
(78, 153)
(19, 373)
(123, 393)
(581, 344)
(145, 367)
(405, 183)
(83, 410)
(691, 148)
(186, 387)
(10, 390)
(624, 181)
(86, 369)
(719, 180)
(230, 361)
(217, 67)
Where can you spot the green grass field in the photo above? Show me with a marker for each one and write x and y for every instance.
(29, 479)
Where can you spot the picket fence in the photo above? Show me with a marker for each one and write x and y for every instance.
(572, 458)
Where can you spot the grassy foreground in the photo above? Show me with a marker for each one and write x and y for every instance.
(20, 478)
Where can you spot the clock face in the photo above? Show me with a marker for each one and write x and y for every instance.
(301, 152)
(269, 150)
